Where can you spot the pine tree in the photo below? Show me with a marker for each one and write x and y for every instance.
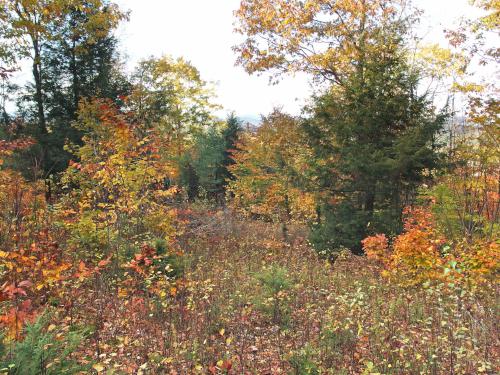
(206, 169)
(72, 54)
(209, 163)
(44, 350)
(76, 66)
(374, 140)
(230, 135)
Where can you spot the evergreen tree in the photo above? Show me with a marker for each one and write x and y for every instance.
(76, 66)
(374, 142)
(43, 351)
(188, 177)
(206, 169)
(73, 53)
(230, 136)
(209, 167)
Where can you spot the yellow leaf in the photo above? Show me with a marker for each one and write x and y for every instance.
(98, 367)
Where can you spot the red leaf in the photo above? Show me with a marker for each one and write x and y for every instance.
(26, 284)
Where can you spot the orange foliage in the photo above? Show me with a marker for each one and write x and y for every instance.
(265, 168)
(31, 262)
(416, 252)
(376, 247)
(421, 253)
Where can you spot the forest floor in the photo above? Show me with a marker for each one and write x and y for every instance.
(249, 303)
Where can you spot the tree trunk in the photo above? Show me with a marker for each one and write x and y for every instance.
(370, 201)
(37, 75)
(287, 218)
(76, 81)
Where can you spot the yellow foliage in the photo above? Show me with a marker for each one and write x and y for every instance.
(119, 184)
(422, 254)
(265, 172)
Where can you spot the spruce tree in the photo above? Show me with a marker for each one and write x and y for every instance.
(374, 141)
(230, 136)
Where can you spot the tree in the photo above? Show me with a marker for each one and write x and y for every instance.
(28, 22)
(214, 151)
(82, 62)
(468, 195)
(373, 137)
(205, 168)
(43, 351)
(170, 95)
(328, 39)
(6, 68)
(35, 25)
(115, 193)
(267, 172)
(230, 136)
(377, 140)
(208, 164)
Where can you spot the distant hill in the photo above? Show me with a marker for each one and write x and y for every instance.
(252, 119)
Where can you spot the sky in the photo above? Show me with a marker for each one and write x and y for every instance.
(202, 32)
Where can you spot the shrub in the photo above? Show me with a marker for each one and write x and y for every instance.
(302, 362)
(376, 247)
(45, 349)
(422, 253)
(275, 283)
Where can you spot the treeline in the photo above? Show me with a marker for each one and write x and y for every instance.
(370, 143)
(374, 140)
(367, 143)
(74, 57)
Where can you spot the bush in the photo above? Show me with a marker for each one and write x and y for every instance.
(45, 349)
(302, 362)
(275, 283)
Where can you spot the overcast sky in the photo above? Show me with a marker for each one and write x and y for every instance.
(202, 32)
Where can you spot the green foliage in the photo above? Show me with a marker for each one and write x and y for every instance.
(74, 56)
(336, 342)
(231, 135)
(204, 172)
(188, 178)
(184, 287)
(274, 297)
(208, 163)
(77, 68)
(161, 246)
(45, 349)
(168, 261)
(374, 143)
(274, 280)
(173, 265)
(343, 226)
(302, 362)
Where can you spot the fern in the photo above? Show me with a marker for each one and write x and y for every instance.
(42, 351)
